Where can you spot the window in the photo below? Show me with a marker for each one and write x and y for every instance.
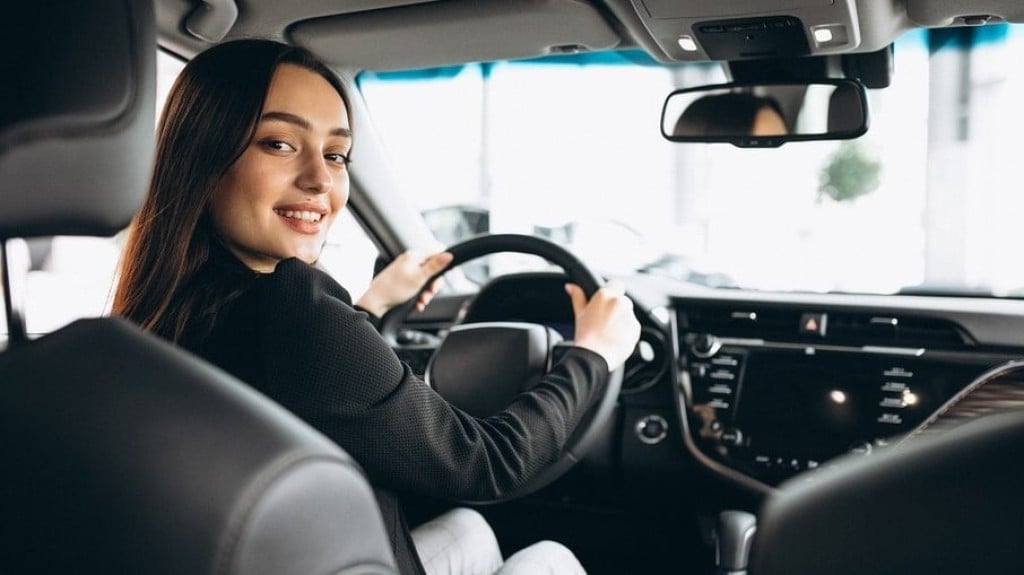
(569, 148)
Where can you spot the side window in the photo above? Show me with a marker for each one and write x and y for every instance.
(167, 69)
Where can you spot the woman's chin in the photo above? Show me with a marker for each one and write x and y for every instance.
(308, 256)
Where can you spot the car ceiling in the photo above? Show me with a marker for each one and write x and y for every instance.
(409, 34)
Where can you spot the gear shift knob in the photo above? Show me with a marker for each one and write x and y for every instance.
(734, 536)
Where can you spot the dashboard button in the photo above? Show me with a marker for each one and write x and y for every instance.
(893, 402)
(890, 418)
(726, 360)
(894, 386)
(652, 429)
(814, 324)
(732, 437)
(723, 374)
(705, 345)
(717, 403)
(897, 372)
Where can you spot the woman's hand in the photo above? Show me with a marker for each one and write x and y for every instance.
(605, 324)
(401, 280)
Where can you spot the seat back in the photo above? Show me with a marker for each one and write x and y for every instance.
(121, 452)
(944, 504)
(843, 99)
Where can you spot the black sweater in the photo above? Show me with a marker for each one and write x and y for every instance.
(294, 335)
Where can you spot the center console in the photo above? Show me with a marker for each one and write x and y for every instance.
(771, 392)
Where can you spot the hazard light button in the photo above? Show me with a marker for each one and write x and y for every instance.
(814, 324)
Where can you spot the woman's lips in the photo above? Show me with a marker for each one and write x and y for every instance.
(304, 220)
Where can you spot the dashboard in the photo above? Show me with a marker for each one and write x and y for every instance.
(756, 388)
(768, 390)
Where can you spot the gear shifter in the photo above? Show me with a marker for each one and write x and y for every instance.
(733, 538)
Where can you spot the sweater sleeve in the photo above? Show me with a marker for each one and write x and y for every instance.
(327, 363)
(370, 317)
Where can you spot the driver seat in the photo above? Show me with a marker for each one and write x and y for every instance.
(122, 453)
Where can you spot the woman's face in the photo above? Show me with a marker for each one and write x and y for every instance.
(281, 196)
(768, 122)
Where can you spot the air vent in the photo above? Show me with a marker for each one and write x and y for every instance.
(648, 364)
(895, 330)
(840, 328)
(743, 322)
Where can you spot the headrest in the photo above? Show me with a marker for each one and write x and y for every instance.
(844, 98)
(77, 116)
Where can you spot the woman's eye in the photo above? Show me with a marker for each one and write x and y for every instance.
(278, 145)
(340, 159)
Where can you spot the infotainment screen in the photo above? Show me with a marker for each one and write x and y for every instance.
(778, 410)
(814, 408)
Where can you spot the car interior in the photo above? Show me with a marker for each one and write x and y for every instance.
(830, 373)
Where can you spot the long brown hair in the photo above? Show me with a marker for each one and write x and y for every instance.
(208, 121)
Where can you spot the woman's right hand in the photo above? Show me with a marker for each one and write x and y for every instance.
(606, 324)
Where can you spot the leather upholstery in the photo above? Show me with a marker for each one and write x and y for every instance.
(76, 123)
(948, 503)
(122, 453)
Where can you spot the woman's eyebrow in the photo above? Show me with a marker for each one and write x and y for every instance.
(301, 122)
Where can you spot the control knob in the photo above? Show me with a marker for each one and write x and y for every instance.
(705, 345)
(652, 429)
(732, 437)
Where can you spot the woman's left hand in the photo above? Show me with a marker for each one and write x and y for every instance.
(402, 279)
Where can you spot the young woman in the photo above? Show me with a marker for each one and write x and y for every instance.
(732, 114)
(251, 171)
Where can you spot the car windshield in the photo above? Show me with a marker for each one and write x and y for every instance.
(570, 148)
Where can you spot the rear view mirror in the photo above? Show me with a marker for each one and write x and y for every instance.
(766, 115)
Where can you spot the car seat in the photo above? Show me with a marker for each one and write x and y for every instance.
(121, 452)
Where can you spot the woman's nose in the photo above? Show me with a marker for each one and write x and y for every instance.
(316, 175)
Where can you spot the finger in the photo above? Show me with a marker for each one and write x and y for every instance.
(576, 295)
(429, 291)
(405, 257)
(436, 262)
(424, 298)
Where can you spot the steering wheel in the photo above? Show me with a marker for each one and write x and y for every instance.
(482, 367)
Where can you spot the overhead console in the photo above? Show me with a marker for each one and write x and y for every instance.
(750, 29)
(767, 391)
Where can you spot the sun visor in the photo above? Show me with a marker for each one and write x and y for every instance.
(430, 35)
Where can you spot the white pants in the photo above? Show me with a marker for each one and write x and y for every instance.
(461, 542)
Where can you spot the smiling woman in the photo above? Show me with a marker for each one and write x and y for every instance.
(279, 198)
(156, 264)
(251, 173)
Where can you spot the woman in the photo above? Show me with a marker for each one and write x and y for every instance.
(730, 115)
(251, 171)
